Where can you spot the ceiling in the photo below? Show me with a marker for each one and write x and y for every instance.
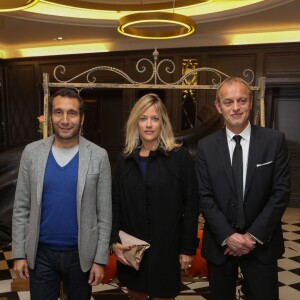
(34, 31)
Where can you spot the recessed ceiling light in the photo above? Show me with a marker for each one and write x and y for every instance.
(59, 38)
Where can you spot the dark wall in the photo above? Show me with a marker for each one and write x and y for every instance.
(21, 97)
(1, 107)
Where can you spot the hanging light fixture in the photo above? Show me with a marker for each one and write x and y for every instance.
(12, 5)
(181, 25)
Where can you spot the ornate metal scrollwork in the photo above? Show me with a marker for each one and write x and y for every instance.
(155, 80)
(155, 76)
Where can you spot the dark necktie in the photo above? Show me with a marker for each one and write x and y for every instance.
(237, 168)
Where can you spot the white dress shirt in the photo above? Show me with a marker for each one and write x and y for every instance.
(245, 142)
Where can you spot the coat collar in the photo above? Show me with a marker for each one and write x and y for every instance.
(159, 151)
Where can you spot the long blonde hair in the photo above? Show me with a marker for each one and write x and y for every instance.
(166, 137)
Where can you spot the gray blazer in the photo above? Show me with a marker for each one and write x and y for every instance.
(93, 202)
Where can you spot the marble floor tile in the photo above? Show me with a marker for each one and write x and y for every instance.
(192, 288)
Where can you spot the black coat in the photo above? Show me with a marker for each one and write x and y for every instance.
(162, 209)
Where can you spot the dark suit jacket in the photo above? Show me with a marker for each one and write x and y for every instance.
(266, 194)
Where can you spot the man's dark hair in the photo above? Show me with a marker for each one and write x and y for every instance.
(67, 93)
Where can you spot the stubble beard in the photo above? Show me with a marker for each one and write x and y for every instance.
(66, 137)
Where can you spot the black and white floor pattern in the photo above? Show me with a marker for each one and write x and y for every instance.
(194, 288)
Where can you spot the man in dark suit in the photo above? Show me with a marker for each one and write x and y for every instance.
(243, 234)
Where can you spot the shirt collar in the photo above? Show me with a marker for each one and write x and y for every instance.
(245, 134)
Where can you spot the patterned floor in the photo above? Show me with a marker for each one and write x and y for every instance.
(195, 288)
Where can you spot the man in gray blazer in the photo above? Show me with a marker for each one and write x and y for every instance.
(62, 210)
(243, 209)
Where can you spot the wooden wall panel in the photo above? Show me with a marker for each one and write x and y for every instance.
(282, 112)
(286, 103)
(23, 95)
(282, 65)
(2, 129)
(295, 179)
(22, 105)
(104, 121)
(232, 65)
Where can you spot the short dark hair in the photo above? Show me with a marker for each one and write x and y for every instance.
(67, 93)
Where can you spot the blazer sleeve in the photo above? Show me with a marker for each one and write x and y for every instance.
(270, 216)
(21, 210)
(104, 210)
(215, 219)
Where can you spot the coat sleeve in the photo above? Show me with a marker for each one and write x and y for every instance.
(116, 203)
(189, 241)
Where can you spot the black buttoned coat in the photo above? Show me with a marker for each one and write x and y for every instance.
(160, 208)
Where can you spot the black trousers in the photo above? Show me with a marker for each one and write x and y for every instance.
(260, 280)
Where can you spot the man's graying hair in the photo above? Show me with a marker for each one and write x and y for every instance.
(229, 81)
(67, 93)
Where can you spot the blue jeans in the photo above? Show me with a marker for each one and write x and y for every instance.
(52, 267)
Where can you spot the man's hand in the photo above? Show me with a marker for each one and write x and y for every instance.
(21, 268)
(239, 244)
(96, 274)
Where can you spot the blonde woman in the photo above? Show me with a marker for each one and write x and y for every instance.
(154, 199)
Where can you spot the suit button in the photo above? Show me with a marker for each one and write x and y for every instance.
(148, 221)
(147, 203)
(233, 204)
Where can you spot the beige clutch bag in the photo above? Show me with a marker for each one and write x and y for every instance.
(135, 254)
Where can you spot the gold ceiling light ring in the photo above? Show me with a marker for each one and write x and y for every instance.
(121, 6)
(184, 25)
(13, 5)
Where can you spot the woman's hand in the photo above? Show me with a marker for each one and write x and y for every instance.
(185, 261)
(119, 250)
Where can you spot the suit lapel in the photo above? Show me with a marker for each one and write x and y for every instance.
(84, 159)
(223, 150)
(42, 158)
(254, 150)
